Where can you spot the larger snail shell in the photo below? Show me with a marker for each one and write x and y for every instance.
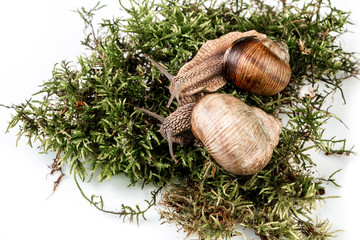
(250, 65)
(240, 138)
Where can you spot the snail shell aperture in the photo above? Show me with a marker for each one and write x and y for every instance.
(240, 138)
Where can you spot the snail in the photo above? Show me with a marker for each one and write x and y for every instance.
(240, 138)
(249, 60)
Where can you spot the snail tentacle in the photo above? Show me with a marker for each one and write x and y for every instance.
(174, 94)
(152, 114)
(160, 67)
(170, 142)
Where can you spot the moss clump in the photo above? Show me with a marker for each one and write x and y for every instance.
(85, 113)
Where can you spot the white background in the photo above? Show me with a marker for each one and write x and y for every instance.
(37, 34)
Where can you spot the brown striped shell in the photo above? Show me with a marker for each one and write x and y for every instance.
(240, 138)
(250, 65)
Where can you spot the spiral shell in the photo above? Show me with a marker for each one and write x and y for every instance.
(250, 65)
(240, 138)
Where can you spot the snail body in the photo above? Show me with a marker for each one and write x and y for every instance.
(240, 138)
(249, 60)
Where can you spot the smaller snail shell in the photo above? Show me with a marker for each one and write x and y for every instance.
(240, 138)
(250, 65)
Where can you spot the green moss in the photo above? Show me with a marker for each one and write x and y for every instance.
(85, 113)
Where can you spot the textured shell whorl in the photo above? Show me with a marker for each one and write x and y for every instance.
(236, 136)
(250, 65)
